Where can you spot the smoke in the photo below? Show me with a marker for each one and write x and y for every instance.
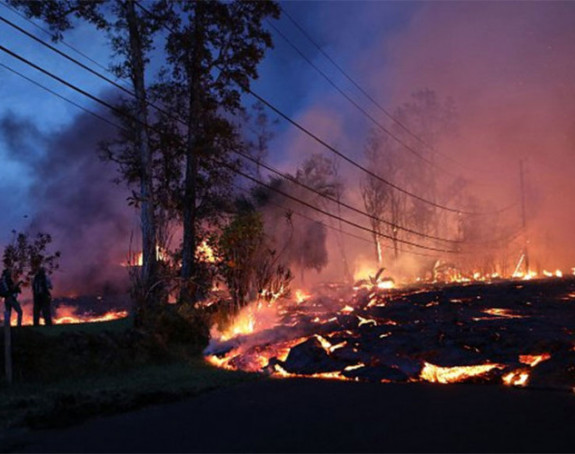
(72, 196)
(508, 68)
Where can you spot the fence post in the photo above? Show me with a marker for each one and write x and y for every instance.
(7, 348)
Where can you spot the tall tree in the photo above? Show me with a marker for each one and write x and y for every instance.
(130, 36)
(213, 51)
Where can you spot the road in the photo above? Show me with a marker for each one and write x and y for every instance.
(301, 415)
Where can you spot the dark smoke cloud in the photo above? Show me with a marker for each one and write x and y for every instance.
(73, 197)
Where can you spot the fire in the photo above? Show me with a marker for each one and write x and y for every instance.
(366, 321)
(516, 378)
(533, 360)
(501, 312)
(301, 296)
(386, 285)
(244, 323)
(66, 315)
(347, 310)
(438, 374)
(281, 372)
(137, 259)
(205, 253)
(327, 345)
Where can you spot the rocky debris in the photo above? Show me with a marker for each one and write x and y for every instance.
(557, 372)
(310, 358)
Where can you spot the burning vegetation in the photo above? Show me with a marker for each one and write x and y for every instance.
(435, 333)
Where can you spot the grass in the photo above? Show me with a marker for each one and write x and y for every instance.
(61, 386)
(69, 401)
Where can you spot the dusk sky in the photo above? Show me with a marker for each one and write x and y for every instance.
(507, 67)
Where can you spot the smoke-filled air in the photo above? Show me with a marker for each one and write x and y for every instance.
(374, 192)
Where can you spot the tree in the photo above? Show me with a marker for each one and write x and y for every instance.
(381, 201)
(258, 131)
(130, 36)
(213, 49)
(431, 119)
(25, 255)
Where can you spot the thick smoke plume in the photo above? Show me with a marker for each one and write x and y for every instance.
(508, 68)
(73, 197)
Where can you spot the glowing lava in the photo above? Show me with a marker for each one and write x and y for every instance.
(438, 374)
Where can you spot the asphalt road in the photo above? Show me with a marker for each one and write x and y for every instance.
(333, 416)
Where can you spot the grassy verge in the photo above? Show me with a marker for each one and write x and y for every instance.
(64, 374)
(69, 401)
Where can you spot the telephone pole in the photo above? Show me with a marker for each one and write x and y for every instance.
(524, 216)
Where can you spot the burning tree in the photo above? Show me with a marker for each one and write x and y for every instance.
(213, 49)
(249, 263)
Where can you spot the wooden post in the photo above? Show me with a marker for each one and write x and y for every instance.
(7, 348)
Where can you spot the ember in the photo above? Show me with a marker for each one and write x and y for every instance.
(436, 374)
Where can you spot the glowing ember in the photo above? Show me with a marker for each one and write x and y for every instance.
(68, 319)
(243, 324)
(205, 253)
(386, 285)
(301, 296)
(516, 378)
(357, 366)
(502, 313)
(533, 360)
(438, 374)
(366, 321)
(347, 310)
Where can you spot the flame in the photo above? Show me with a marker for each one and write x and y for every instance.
(438, 374)
(347, 310)
(516, 378)
(243, 324)
(366, 321)
(533, 360)
(386, 285)
(301, 296)
(205, 253)
(500, 312)
(281, 372)
(327, 345)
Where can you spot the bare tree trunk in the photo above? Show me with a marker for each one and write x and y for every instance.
(191, 178)
(148, 226)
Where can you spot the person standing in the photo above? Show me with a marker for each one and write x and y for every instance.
(10, 291)
(41, 289)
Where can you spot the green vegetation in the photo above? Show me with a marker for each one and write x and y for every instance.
(69, 401)
(68, 372)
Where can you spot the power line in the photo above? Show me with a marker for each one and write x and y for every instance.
(43, 87)
(95, 98)
(49, 33)
(327, 213)
(337, 229)
(116, 110)
(235, 151)
(90, 112)
(351, 101)
(339, 202)
(365, 93)
(244, 87)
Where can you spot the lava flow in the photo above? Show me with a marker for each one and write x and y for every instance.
(482, 332)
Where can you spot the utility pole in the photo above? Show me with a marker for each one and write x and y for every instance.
(524, 216)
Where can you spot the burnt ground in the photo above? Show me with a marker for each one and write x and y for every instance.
(448, 326)
(405, 335)
(305, 415)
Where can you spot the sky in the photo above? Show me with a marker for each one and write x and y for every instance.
(507, 66)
